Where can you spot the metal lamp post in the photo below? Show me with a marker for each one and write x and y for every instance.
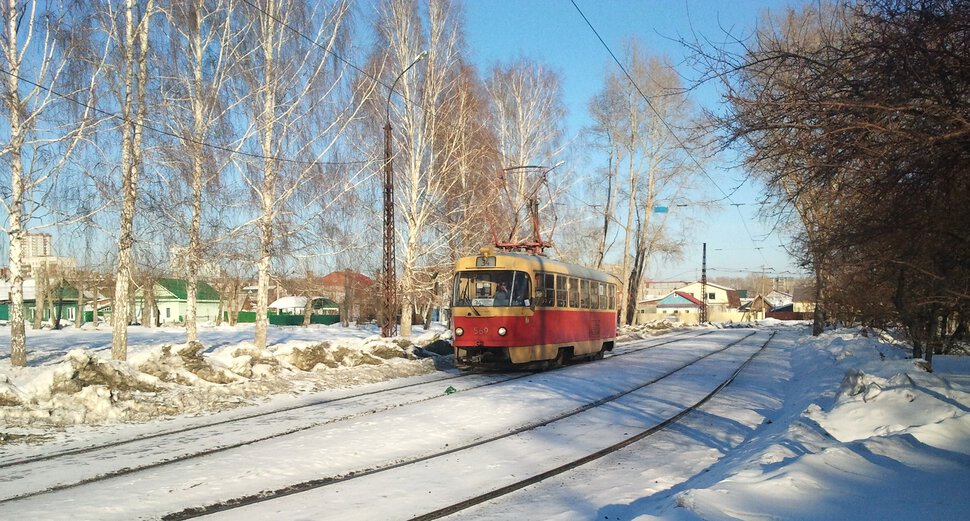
(389, 281)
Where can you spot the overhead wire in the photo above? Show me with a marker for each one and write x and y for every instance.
(331, 52)
(666, 125)
(224, 148)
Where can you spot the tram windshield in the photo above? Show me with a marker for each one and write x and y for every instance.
(492, 288)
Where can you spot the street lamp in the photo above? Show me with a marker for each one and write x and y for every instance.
(389, 283)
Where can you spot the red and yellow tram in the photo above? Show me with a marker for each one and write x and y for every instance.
(523, 310)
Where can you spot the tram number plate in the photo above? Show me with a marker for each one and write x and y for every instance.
(480, 330)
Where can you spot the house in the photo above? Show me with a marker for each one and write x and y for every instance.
(803, 299)
(353, 291)
(679, 303)
(171, 301)
(289, 311)
(719, 298)
(657, 289)
(800, 306)
(776, 298)
(764, 305)
(723, 304)
(61, 301)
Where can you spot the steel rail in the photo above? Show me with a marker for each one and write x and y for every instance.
(267, 495)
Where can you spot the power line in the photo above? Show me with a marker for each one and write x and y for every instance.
(331, 52)
(224, 148)
(661, 118)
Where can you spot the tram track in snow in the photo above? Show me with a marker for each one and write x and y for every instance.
(312, 485)
(572, 465)
(146, 446)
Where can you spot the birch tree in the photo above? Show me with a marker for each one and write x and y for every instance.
(295, 113)
(526, 116)
(130, 30)
(649, 109)
(469, 205)
(38, 46)
(425, 143)
(607, 135)
(203, 38)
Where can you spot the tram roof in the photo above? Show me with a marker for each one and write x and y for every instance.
(523, 261)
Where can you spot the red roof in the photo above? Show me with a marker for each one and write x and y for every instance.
(689, 297)
(339, 278)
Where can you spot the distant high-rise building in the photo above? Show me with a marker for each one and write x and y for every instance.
(37, 245)
(38, 253)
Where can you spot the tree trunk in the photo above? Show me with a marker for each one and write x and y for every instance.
(267, 137)
(818, 314)
(633, 283)
(198, 173)
(40, 292)
(79, 317)
(133, 115)
(14, 109)
(262, 291)
(307, 310)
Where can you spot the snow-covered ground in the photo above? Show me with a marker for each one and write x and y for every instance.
(835, 427)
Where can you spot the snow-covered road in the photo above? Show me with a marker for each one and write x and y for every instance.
(811, 428)
(333, 441)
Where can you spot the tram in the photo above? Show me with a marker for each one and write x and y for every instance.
(523, 310)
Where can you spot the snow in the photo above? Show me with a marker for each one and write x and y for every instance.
(289, 302)
(840, 426)
(71, 379)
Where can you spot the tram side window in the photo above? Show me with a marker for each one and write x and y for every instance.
(561, 291)
(521, 290)
(594, 293)
(546, 289)
(612, 294)
(584, 294)
(573, 292)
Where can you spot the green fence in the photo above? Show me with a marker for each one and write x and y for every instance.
(249, 317)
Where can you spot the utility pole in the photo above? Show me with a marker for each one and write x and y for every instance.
(704, 286)
(389, 278)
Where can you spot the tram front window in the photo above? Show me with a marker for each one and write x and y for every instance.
(492, 288)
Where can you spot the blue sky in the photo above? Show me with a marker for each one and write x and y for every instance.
(554, 32)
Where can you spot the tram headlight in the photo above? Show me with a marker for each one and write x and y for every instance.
(459, 331)
(502, 331)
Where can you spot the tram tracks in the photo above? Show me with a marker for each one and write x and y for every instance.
(143, 453)
(574, 464)
(315, 484)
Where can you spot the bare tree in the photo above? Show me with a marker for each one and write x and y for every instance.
(203, 40)
(526, 116)
(294, 85)
(644, 117)
(426, 143)
(469, 205)
(853, 114)
(607, 135)
(38, 45)
(128, 27)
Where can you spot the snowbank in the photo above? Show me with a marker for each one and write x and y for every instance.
(889, 441)
(73, 386)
